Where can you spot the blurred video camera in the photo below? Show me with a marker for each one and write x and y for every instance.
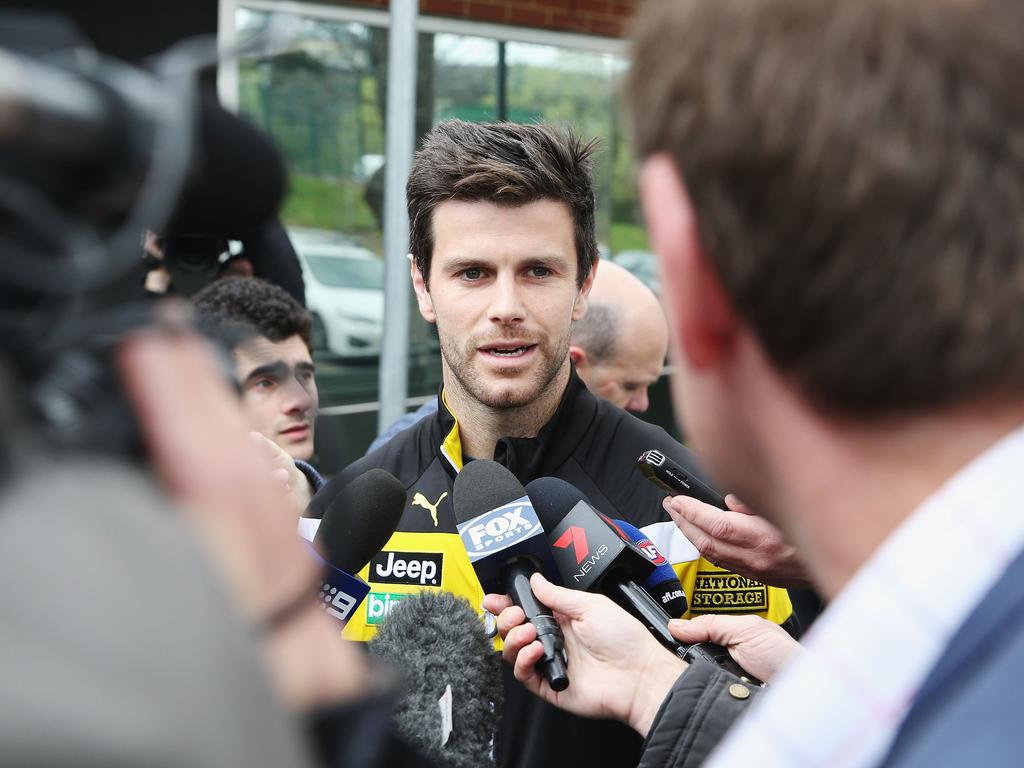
(93, 152)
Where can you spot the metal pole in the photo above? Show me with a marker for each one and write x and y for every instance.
(502, 83)
(399, 144)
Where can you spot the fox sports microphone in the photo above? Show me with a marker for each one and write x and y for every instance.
(506, 545)
(452, 678)
(594, 555)
(663, 584)
(357, 524)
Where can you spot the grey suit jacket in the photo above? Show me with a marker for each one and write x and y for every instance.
(970, 711)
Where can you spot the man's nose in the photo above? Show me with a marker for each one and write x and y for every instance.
(506, 303)
(297, 398)
(639, 402)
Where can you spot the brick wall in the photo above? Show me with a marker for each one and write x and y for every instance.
(607, 18)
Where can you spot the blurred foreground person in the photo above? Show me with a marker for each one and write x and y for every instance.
(142, 626)
(834, 190)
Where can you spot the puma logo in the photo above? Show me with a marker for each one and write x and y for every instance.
(419, 500)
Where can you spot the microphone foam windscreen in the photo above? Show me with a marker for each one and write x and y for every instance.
(553, 499)
(436, 639)
(482, 486)
(360, 520)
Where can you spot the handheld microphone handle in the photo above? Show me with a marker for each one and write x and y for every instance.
(516, 575)
(716, 654)
(638, 602)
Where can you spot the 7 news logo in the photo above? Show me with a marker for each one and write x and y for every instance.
(576, 538)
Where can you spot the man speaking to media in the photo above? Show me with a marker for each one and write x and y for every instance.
(504, 256)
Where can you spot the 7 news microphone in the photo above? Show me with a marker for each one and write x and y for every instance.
(595, 555)
(357, 524)
(506, 545)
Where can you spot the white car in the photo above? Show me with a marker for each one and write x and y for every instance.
(344, 291)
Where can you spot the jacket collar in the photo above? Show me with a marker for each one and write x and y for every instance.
(527, 457)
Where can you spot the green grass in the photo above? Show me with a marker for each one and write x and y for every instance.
(628, 237)
(328, 204)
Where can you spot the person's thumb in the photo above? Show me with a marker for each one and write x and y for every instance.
(571, 602)
(701, 629)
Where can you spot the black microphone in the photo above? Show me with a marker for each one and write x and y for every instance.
(663, 584)
(360, 519)
(452, 678)
(506, 545)
(593, 554)
(357, 524)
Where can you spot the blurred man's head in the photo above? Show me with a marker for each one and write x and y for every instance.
(619, 346)
(503, 244)
(835, 191)
(268, 333)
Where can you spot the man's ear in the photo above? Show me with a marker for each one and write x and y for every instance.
(701, 317)
(579, 308)
(423, 300)
(578, 356)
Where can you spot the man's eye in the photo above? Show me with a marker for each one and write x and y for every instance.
(472, 274)
(263, 383)
(539, 271)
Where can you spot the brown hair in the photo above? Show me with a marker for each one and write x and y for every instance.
(857, 175)
(504, 163)
(234, 309)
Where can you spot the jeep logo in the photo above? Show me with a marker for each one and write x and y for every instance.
(422, 568)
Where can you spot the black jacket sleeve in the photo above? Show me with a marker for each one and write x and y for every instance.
(702, 705)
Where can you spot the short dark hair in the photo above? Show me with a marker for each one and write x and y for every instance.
(857, 175)
(504, 163)
(234, 309)
(596, 332)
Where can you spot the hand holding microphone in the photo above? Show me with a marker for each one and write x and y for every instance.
(506, 545)
(596, 555)
(618, 670)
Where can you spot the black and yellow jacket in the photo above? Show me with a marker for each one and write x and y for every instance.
(591, 444)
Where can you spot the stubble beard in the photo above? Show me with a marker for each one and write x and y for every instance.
(462, 363)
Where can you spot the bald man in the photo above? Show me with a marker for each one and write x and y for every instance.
(619, 346)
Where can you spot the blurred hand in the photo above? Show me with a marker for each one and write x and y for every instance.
(760, 646)
(738, 540)
(199, 447)
(616, 669)
(294, 483)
